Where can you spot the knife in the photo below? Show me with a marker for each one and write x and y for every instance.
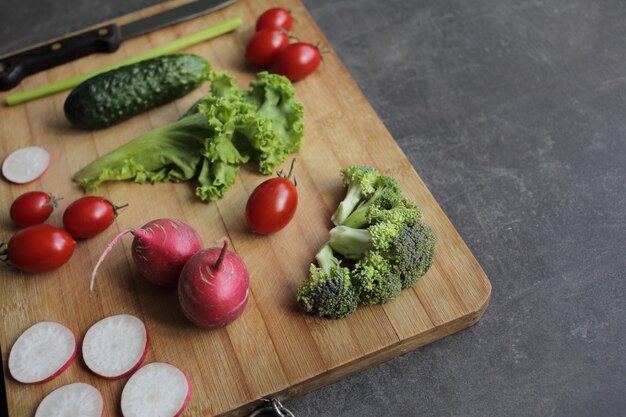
(106, 38)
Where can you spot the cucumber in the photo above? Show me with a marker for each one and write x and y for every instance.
(119, 94)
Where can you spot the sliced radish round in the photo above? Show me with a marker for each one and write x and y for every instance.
(157, 389)
(25, 164)
(42, 352)
(76, 399)
(115, 346)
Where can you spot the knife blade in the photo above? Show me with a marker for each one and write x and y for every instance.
(14, 68)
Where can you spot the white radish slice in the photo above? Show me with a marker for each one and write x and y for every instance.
(157, 389)
(42, 352)
(25, 164)
(78, 399)
(115, 346)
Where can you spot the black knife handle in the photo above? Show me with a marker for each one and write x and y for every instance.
(14, 68)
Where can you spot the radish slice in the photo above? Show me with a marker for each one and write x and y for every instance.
(25, 164)
(157, 389)
(115, 346)
(76, 399)
(42, 352)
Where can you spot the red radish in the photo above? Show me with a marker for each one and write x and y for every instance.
(157, 389)
(39, 248)
(213, 287)
(160, 249)
(33, 207)
(77, 399)
(115, 346)
(25, 164)
(42, 352)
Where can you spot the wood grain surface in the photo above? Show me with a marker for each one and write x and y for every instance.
(273, 350)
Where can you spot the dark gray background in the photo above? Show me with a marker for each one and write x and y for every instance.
(514, 114)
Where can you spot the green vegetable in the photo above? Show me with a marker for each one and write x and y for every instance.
(328, 291)
(224, 129)
(213, 31)
(119, 94)
(382, 231)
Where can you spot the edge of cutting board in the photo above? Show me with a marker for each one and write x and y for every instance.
(375, 358)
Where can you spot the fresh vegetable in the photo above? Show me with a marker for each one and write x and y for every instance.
(176, 45)
(77, 399)
(160, 249)
(297, 61)
(264, 47)
(224, 129)
(214, 286)
(275, 18)
(272, 204)
(383, 232)
(360, 183)
(39, 248)
(157, 389)
(119, 94)
(328, 291)
(42, 352)
(89, 216)
(33, 207)
(25, 165)
(115, 346)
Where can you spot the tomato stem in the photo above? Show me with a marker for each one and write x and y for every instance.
(220, 259)
(116, 209)
(53, 200)
(293, 161)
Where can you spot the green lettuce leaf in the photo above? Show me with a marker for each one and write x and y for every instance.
(224, 129)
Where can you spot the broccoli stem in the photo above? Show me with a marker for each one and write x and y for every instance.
(358, 217)
(351, 200)
(350, 242)
(325, 258)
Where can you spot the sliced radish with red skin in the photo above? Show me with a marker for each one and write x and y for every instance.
(25, 165)
(77, 399)
(42, 352)
(115, 346)
(157, 389)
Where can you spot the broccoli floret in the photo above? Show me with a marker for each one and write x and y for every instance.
(387, 194)
(361, 183)
(413, 253)
(379, 229)
(403, 252)
(374, 280)
(328, 291)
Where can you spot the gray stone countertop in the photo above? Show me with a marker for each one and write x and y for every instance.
(514, 114)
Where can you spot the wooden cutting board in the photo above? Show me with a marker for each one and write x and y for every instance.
(273, 350)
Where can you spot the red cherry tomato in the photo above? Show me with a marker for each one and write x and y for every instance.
(265, 46)
(297, 61)
(40, 248)
(272, 204)
(88, 216)
(275, 18)
(33, 207)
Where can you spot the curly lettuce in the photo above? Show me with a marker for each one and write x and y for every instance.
(226, 128)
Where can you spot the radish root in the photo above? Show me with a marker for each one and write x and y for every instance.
(220, 259)
(104, 254)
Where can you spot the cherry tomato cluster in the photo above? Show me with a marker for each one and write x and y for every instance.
(270, 47)
(272, 204)
(42, 247)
